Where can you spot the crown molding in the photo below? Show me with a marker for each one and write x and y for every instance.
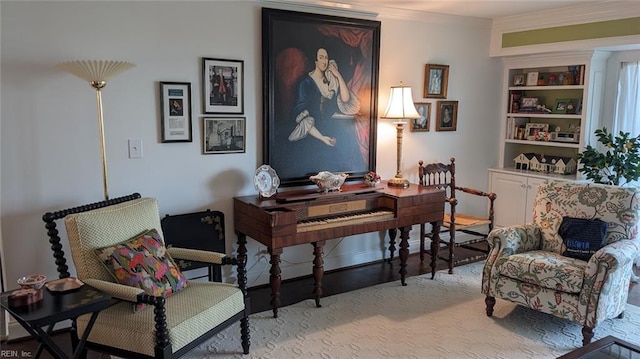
(365, 9)
(571, 15)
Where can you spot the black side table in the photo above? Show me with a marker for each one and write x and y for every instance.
(54, 308)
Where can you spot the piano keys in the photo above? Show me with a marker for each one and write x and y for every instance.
(307, 216)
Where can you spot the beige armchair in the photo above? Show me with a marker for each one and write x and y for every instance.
(174, 324)
(529, 265)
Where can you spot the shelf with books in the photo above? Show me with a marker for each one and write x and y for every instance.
(545, 103)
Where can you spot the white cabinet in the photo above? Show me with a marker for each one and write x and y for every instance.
(551, 106)
(515, 193)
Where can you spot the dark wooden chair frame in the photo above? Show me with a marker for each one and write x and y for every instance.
(163, 348)
(444, 176)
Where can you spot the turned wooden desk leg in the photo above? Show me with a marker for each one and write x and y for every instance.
(318, 270)
(275, 279)
(435, 246)
(392, 243)
(404, 252)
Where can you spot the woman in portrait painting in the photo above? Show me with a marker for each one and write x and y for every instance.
(321, 95)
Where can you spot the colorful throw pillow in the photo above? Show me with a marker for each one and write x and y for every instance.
(143, 262)
(582, 237)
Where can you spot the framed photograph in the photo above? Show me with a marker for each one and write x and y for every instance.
(532, 78)
(320, 76)
(447, 116)
(422, 123)
(224, 135)
(436, 78)
(518, 80)
(175, 111)
(561, 105)
(222, 86)
(532, 130)
(529, 102)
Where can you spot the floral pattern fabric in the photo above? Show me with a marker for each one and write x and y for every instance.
(526, 266)
(143, 262)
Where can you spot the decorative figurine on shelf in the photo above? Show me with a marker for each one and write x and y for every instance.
(371, 179)
(541, 81)
(328, 182)
(553, 78)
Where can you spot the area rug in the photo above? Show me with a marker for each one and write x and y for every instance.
(440, 318)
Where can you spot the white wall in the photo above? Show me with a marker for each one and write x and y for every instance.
(50, 148)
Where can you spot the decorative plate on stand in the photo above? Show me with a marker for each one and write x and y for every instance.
(266, 181)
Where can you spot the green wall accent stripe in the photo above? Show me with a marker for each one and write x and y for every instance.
(593, 30)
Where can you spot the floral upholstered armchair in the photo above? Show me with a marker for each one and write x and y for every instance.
(535, 266)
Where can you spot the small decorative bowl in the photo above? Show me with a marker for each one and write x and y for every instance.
(33, 281)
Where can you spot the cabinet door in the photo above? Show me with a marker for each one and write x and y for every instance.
(511, 199)
(532, 189)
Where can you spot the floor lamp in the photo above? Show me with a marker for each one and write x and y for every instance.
(400, 108)
(97, 73)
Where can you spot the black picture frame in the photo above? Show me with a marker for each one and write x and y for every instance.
(345, 139)
(175, 111)
(228, 76)
(224, 135)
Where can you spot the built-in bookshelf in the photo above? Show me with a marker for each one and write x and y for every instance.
(548, 104)
(550, 107)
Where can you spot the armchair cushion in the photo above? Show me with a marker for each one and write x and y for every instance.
(582, 237)
(545, 269)
(143, 262)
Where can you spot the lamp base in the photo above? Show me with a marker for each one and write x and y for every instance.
(398, 182)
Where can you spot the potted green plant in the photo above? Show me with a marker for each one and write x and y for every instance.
(618, 165)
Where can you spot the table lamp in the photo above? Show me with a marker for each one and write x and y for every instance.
(400, 108)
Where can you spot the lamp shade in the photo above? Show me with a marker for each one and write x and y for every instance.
(95, 70)
(401, 104)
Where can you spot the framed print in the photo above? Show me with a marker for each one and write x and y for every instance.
(421, 124)
(222, 86)
(436, 78)
(224, 135)
(532, 78)
(447, 116)
(175, 111)
(320, 77)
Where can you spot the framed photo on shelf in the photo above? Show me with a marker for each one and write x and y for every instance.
(529, 102)
(561, 105)
(422, 123)
(447, 116)
(532, 130)
(224, 135)
(175, 111)
(518, 80)
(222, 86)
(532, 78)
(302, 138)
(436, 79)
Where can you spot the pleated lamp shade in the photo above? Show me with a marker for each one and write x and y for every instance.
(95, 70)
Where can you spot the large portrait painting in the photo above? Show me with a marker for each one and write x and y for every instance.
(321, 90)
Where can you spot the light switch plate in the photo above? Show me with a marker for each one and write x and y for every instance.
(135, 148)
